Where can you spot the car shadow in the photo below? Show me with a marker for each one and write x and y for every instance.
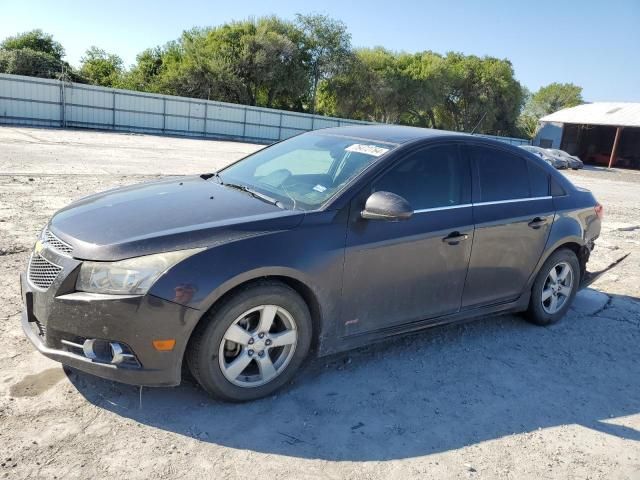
(442, 389)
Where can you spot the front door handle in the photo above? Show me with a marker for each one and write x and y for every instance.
(454, 238)
(537, 222)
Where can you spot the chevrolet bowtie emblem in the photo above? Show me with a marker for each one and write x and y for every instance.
(39, 247)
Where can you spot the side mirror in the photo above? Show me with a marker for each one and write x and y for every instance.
(386, 206)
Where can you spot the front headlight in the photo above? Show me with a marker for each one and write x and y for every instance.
(132, 276)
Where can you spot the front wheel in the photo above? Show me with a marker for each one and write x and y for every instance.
(554, 288)
(251, 344)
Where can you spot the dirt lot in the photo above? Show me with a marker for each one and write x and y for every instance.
(497, 398)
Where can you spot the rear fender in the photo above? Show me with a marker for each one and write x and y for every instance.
(566, 230)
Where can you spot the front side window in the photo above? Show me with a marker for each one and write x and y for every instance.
(501, 175)
(305, 171)
(431, 178)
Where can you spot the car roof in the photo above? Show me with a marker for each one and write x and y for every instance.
(388, 133)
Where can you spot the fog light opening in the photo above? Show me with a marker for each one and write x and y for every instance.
(88, 350)
(117, 353)
(103, 351)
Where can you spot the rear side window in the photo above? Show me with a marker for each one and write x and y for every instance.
(539, 180)
(430, 178)
(501, 175)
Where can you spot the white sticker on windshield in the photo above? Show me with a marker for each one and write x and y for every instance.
(372, 150)
(319, 188)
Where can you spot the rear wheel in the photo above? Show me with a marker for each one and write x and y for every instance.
(252, 343)
(555, 288)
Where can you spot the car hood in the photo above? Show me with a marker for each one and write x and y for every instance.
(174, 214)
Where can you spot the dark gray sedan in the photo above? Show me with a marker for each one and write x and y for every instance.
(327, 241)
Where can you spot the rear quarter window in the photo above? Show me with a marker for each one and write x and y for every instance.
(538, 179)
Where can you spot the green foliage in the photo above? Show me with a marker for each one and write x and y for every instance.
(35, 40)
(35, 54)
(308, 65)
(101, 68)
(454, 92)
(327, 44)
(554, 97)
(29, 62)
(546, 100)
(257, 62)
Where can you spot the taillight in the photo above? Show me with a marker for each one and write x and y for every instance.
(599, 211)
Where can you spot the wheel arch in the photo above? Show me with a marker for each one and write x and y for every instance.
(293, 280)
(575, 244)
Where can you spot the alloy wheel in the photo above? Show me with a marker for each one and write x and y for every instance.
(557, 288)
(258, 346)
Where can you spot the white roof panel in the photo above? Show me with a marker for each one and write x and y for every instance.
(621, 114)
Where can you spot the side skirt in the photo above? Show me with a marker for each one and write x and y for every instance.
(359, 340)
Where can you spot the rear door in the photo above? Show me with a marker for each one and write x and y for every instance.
(513, 212)
(399, 272)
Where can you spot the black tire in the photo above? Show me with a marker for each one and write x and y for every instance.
(536, 312)
(202, 354)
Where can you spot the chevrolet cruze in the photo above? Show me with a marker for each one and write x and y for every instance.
(327, 241)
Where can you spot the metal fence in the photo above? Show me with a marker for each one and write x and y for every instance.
(53, 103)
(509, 140)
(44, 102)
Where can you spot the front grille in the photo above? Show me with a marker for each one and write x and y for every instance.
(55, 243)
(42, 272)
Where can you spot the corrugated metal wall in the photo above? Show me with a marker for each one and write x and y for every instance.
(43, 102)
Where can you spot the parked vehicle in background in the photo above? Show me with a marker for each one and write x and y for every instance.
(326, 241)
(554, 160)
(574, 162)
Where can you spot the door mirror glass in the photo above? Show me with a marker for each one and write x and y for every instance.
(386, 206)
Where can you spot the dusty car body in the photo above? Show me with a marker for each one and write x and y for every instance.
(337, 259)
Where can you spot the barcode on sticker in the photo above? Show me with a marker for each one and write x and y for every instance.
(373, 150)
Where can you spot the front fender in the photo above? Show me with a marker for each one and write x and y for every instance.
(311, 255)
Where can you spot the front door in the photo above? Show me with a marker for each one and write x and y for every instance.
(410, 270)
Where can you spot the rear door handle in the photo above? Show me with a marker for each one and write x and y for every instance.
(454, 238)
(537, 222)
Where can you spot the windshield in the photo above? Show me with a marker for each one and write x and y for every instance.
(304, 171)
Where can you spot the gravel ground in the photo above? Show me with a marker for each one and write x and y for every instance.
(497, 398)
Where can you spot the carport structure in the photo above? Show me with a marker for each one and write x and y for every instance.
(602, 133)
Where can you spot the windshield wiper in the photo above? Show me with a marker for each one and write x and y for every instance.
(255, 194)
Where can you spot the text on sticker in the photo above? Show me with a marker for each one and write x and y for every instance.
(372, 150)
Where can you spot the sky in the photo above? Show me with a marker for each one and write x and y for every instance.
(592, 43)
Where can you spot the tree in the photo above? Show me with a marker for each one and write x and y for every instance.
(454, 92)
(256, 62)
(427, 90)
(554, 97)
(35, 54)
(328, 45)
(145, 73)
(101, 68)
(546, 100)
(29, 62)
(482, 95)
(271, 63)
(35, 40)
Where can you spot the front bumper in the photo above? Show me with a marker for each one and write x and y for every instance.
(55, 318)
